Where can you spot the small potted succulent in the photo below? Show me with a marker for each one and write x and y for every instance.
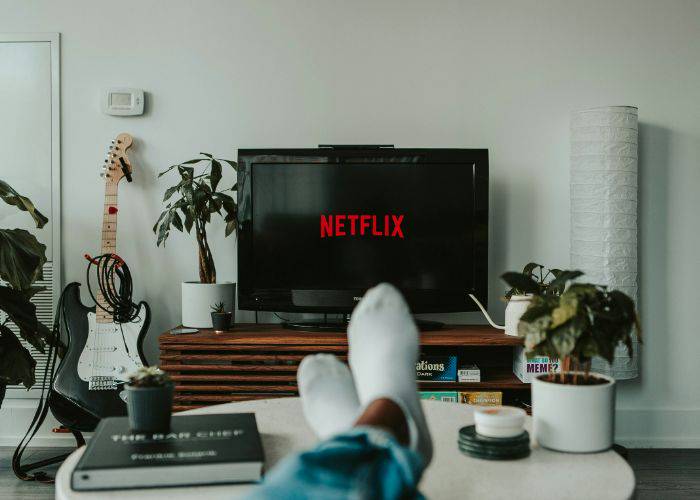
(533, 280)
(573, 411)
(149, 400)
(220, 318)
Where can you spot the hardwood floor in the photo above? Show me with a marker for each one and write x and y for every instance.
(662, 474)
(666, 473)
(13, 488)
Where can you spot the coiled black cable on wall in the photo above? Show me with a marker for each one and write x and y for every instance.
(115, 286)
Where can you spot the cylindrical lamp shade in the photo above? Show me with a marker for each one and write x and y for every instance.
(604, 208)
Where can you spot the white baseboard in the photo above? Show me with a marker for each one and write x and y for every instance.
(635, 428)
(15, 417)
(658, 428)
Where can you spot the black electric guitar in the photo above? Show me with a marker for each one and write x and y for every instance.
(101, 353)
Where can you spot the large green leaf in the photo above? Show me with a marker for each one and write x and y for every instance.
(564, 338)
(534, 332)
(562, 277)
(231, 226)
(164, 229)
(16, 363)
(23, 314)
(12, 197)
(521, 282)
(177, 221)
(215, 174)
(232, 163)
(22, 258)
(530, 267)
(567, 309)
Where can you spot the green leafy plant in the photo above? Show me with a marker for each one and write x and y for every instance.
(217, 308)
(149, 376)
(536, 280)
(22, 258)
(584, 321)
(199, 199)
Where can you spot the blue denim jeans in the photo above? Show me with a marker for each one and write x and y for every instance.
(363, 463)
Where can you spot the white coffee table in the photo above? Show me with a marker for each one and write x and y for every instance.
(545, 474)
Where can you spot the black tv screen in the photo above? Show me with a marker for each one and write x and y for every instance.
(319, 227)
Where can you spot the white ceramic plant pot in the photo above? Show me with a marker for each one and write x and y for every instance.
(574, 418)
(515, 308)
(198, 298)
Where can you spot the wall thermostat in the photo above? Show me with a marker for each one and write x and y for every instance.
(123, 102)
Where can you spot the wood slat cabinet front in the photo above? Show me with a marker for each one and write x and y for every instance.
(256, 361)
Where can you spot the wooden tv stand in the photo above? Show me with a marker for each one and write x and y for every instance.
(257, 361)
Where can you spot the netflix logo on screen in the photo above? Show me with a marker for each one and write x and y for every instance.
(340, 225)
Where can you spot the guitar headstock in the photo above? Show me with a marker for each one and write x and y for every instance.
(117, 165)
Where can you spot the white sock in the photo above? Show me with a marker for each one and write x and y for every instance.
(328, 395)
(383, 345)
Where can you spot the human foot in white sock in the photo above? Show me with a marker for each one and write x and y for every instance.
(383, 350)
(328, 395)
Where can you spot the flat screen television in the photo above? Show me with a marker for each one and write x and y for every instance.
(318, 227)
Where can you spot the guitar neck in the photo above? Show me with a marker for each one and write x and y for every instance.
(109, 219)
(108, 242)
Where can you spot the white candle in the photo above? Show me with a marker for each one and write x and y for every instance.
(499, 421)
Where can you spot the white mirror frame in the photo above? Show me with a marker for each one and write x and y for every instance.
(55, 43)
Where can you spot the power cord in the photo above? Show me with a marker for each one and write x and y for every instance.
(110, 269)
(486, 315)
(280, 317)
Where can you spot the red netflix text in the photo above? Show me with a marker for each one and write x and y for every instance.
(361, 225)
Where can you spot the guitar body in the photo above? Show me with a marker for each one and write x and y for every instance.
(98, 360)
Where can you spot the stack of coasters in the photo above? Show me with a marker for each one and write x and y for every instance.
(490, 448)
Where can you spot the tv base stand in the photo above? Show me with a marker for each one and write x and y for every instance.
(341, 326)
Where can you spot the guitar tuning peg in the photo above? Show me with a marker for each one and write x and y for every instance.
(113, 141)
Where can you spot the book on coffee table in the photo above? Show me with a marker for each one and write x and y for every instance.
(198, 450)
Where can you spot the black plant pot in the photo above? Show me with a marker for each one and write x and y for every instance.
(149, 408)
(221, 322)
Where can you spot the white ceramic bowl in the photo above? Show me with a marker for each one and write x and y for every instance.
(499, 421)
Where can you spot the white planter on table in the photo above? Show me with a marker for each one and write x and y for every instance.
(574, 418)
(198, 298)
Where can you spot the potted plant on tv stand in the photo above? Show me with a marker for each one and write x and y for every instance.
(220, 318)
(533, 280)
(573, 410)
(199, 199)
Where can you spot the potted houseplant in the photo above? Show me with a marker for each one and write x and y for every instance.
(573, 410)
(199, 198)
(22, 258)
(149, 400)
(220, 318)
(534, 279)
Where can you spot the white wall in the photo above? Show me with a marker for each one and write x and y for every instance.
(497, 74)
